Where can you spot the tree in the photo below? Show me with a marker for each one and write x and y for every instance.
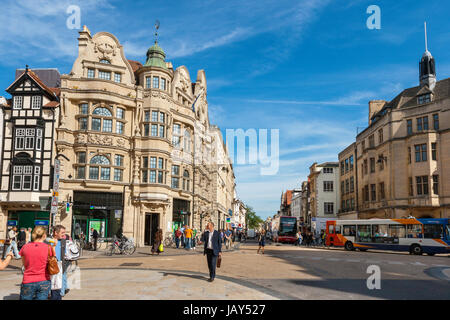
(253, 221)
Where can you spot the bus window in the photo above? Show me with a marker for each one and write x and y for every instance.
(448, 232)
(338, 229)
(433, 231)
(364, 233)
(414, 231)
(350, 231)
(331, 229)
(397, 231)
(379, 233)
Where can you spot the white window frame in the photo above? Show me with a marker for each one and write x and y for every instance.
(18, 102)
(36, 102)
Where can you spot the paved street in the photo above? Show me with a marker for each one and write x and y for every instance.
(283, 272)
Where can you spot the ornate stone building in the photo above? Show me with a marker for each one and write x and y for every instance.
(142, 154)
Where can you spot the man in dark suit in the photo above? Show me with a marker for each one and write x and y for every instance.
(213, 248)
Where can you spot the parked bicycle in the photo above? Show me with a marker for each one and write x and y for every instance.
(169, 241)
(121, 246)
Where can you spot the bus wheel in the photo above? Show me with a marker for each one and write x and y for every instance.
(349, 246)
(416, 249)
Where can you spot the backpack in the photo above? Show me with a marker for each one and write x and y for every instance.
(72, 251)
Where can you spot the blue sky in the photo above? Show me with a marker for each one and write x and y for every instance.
(307, 68)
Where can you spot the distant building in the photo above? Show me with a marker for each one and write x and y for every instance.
(348, 181)
(324, 193)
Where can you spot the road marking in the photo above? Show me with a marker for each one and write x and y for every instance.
(441, 265)
(373, 261)
(418, 264)
(395, 262)
(333, 259)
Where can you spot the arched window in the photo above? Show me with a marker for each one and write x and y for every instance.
(105, 61)
(100, 160)
(101, 111)
(187, 141)
(186, 180)
(98, 121)
(99, 164)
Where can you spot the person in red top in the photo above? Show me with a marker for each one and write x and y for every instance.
(36, 280)
(178, 235)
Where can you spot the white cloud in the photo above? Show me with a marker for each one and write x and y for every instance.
(37, 29)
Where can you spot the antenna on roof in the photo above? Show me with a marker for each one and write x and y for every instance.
(426, 40)
(156, 30)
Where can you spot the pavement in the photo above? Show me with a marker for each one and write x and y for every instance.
(284, 272)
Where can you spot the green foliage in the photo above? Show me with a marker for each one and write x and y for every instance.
(253, 220)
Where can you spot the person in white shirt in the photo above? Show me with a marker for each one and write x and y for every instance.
(12, 236)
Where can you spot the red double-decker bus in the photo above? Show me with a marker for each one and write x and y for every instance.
(284, 229)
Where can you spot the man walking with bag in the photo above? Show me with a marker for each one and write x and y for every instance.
(212, 249)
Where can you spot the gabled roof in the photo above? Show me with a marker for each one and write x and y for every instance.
(408, 97)
(38, 81)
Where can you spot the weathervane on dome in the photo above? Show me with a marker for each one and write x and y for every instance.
(156, 30)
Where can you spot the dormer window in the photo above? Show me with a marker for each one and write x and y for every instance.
(105, 61)
(425, 98)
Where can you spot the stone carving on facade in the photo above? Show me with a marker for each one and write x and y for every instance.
(120, 142)
(184, 81)
(81, 138)
(156, 94)
(105, 50)
(136, 169)
(60, 148)
(103, 140)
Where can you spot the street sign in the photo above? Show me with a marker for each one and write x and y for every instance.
(41, 222)
(54, 208)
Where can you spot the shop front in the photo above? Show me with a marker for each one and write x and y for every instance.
(181, 213)
(101, 211)
(28, 219)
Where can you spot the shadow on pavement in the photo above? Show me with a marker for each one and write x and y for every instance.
(198, 277)
(390, 289)
(12, 296)
(397, 289)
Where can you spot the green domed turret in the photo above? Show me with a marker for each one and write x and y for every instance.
(156, 57)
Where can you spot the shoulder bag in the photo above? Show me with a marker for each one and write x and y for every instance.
(52, 263)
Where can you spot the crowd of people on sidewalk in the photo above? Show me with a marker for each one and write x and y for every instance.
(35, 248)
(308, 238)
(188, 238)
